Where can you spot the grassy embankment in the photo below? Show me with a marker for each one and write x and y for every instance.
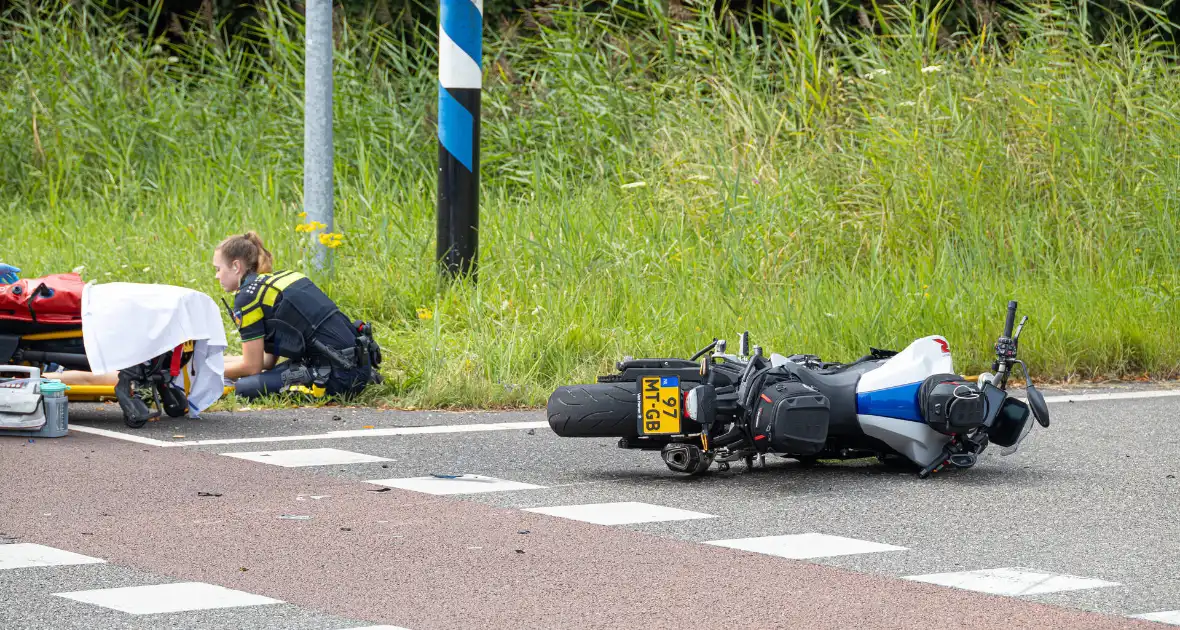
(637, 198)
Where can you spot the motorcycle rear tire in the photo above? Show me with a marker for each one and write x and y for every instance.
(600, 410)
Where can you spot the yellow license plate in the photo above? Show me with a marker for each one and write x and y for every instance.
(659, 404)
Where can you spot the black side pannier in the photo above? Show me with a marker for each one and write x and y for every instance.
(792, 419)
(951, 405)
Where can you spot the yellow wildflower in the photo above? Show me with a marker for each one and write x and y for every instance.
(424, 313)
(331, 240)
(310, 227)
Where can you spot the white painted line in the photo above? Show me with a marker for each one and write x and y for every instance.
(118, 435)
(624, 513)
(1011, 581)
(467, 484)
(332, 435)
(802, 546)
(307, 457)
(168, 598)
(1168, 616)
(501, 426)
(23, 555)
(1116, 396)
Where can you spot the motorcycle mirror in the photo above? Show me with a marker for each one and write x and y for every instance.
(1039, 408)
(744, 344)
(701, 404)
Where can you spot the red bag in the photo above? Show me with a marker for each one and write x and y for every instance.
(55, 299)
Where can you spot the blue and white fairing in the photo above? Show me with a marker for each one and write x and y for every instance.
(887, 403)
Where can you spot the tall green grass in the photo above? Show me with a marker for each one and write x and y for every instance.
(647, 184)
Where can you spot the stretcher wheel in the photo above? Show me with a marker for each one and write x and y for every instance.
(136, 411)
(173, 400)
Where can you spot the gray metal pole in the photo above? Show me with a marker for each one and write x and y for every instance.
(318, 152)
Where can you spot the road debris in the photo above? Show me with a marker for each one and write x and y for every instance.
(317, 497)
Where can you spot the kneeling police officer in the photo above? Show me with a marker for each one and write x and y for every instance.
(294, 337)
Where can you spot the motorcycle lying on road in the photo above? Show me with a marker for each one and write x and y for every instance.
(909, 405)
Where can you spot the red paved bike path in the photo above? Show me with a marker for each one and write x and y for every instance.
(426, 562)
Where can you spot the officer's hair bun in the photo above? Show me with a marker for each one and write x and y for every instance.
(249, 249)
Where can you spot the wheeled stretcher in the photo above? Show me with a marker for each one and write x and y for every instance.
(41, 325)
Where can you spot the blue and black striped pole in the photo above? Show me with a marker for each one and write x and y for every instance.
(460, 74)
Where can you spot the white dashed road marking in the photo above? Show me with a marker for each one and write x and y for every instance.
(624, 513)
(168, 598)
(308, 457)
(1168, 616)
(464, 484)
(1011, 581)
(23, 555)
(803, 546)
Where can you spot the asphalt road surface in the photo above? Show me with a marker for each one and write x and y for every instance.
(336, 519)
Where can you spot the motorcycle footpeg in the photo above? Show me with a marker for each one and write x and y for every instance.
(935, 465)
(931, 469)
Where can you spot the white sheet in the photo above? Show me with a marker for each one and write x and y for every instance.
(127, 323)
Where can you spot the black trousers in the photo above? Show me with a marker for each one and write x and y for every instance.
(271, 381)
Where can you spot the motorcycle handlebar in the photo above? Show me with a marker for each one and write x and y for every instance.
(1011, 319)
